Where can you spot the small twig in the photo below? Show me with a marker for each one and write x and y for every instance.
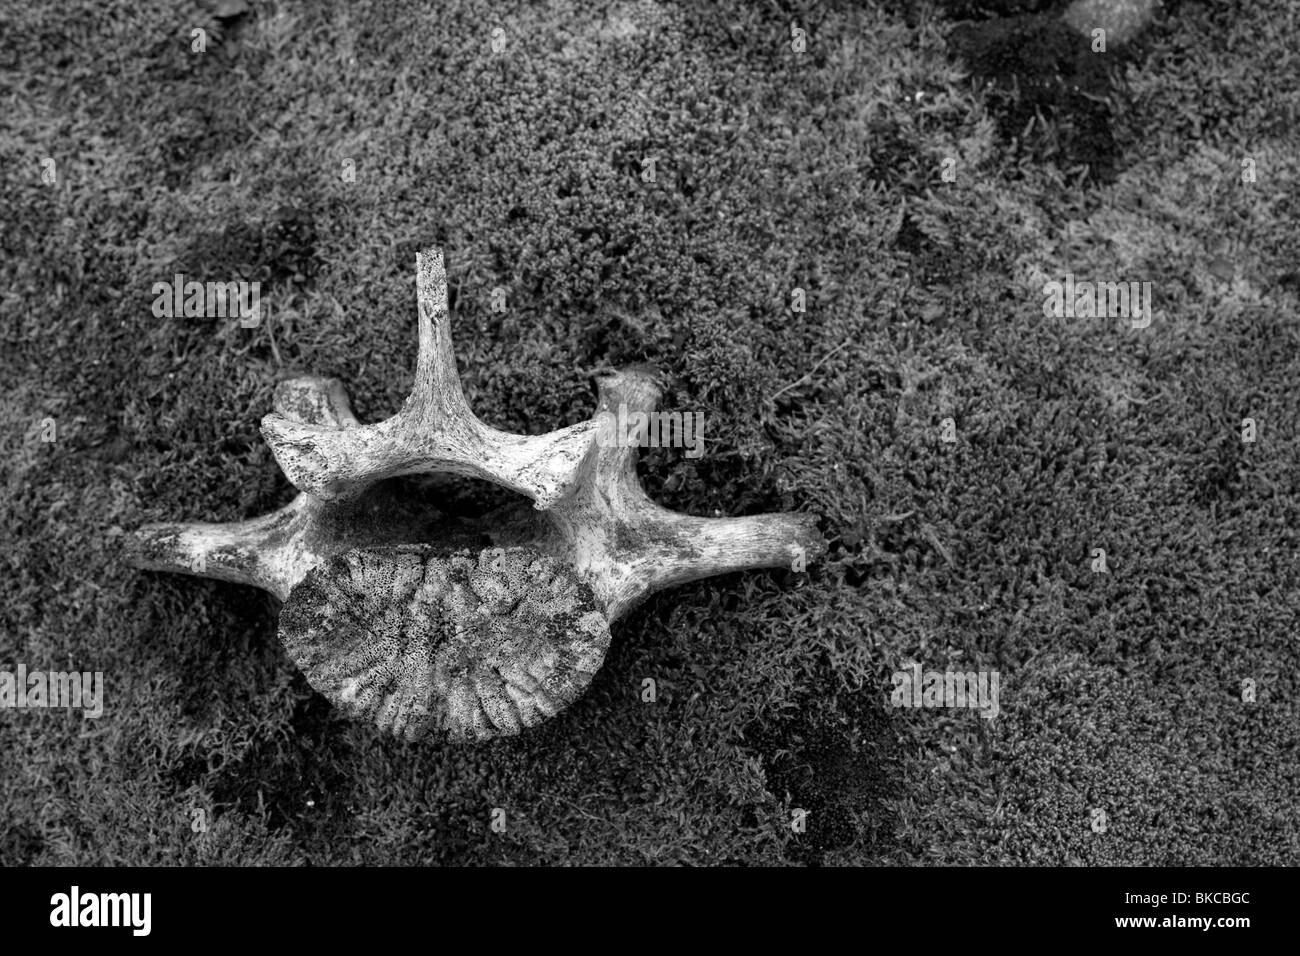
(585, 813)
(798, 382)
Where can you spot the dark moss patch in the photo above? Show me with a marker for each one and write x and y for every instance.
(893, 158)
(278, 251)
(202, 128)
(1037, 66)
(911, 11)
(934, 264)
(1221, 467)
(214, 670)
(19, 844)
(837, 763)
(296, 780)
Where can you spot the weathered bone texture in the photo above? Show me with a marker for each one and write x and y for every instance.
(275, 551)
(465, 646)
(361, 617)
(626, 546)
(435, 431)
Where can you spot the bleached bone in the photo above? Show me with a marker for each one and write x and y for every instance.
(624, 545)
(398, 614)
(435, 431)
(275, 551)
(460, 645)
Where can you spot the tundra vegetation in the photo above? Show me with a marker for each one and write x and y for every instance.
(315, 146)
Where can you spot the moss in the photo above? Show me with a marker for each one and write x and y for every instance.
(923, 303)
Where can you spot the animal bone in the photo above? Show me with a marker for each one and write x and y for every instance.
(419, 657)
(275, 551)
(626, 546)
(472, 647)
(434, 432)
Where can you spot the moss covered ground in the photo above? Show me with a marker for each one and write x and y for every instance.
(773, 170)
